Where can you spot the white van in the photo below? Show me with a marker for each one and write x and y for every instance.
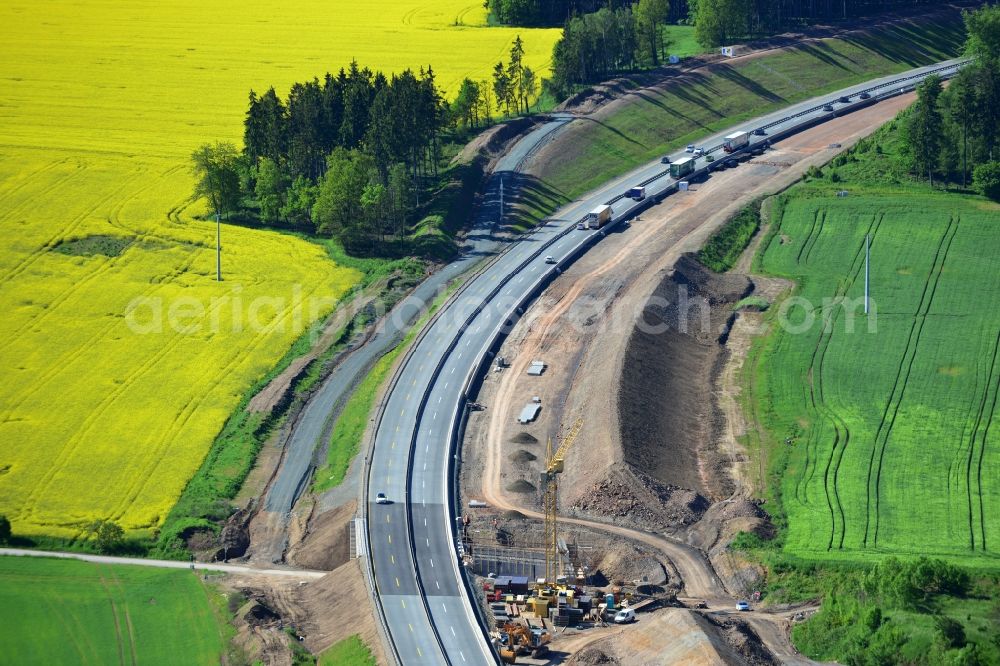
(625, 616)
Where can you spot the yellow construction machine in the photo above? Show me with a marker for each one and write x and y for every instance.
(518, 639)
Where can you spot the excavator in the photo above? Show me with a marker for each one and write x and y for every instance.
(518, 639)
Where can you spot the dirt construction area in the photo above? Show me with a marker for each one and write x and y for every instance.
(635, 338)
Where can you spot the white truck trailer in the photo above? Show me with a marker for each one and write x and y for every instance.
(682, 167)
(598, 217)
(736, 141)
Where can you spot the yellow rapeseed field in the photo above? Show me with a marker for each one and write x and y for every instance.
(118, 371)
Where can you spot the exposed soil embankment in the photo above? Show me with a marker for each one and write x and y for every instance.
(665, 402)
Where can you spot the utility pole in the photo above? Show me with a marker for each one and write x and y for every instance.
(218, 249)
(867, 257)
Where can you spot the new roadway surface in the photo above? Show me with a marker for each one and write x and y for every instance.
(412, 541)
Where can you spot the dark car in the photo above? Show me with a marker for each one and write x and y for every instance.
(865, 95)
(665, 159)
(760, 132)
(828, 107)
(844, 100)
(731, 164)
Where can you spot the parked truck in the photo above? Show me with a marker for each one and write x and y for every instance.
(736, 141)
(598, 217)
(682, 167)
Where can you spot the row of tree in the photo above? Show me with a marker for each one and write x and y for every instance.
(340, 157)
(346, 156)
(544, 12)
(395, 119)
(723, 22)
(607, 42)
(513, 89)
(954, 133)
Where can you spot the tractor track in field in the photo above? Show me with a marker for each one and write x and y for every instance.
(114, 217)
(28, 179)
(888, 421)
(991, 385)
(90, 422)
(840, 425)
(71, 227)
(842, 433)
(162, 446)
(805, 243)
(57, 367)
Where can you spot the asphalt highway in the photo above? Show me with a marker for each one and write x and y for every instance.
(412, 541)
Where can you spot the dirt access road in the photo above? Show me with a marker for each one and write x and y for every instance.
(302, 574)
(596, 300)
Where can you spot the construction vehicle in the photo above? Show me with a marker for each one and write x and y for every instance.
(517, 639)
(682, 167)
(554, 467)
(735, 141)
(598, 217)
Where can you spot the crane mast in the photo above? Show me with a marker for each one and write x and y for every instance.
(554, 467)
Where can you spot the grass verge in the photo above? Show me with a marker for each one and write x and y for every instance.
(704, 101)
(351, 651)
(724, 248)
(348, 431)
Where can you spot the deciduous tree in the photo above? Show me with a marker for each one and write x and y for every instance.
(107, 534)
(216, 171)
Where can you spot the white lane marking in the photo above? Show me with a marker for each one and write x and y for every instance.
(453, 371)
(390, 538)
(428, 542)
(414, 383)
(452, 628)
(420, 654)
(468, 342)
(410, 626)
(438, 584)
(435, 415)
(425, 522)
(446, 610)
(440, 397)
(432, 562)
(462, 655)
(407, 397)
(397, 582)
(446, 384)
(393, 558)
(387, 518)
(403, 601)
(393, 444)
(425, 466)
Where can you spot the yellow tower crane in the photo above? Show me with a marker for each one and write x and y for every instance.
(553, 468)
